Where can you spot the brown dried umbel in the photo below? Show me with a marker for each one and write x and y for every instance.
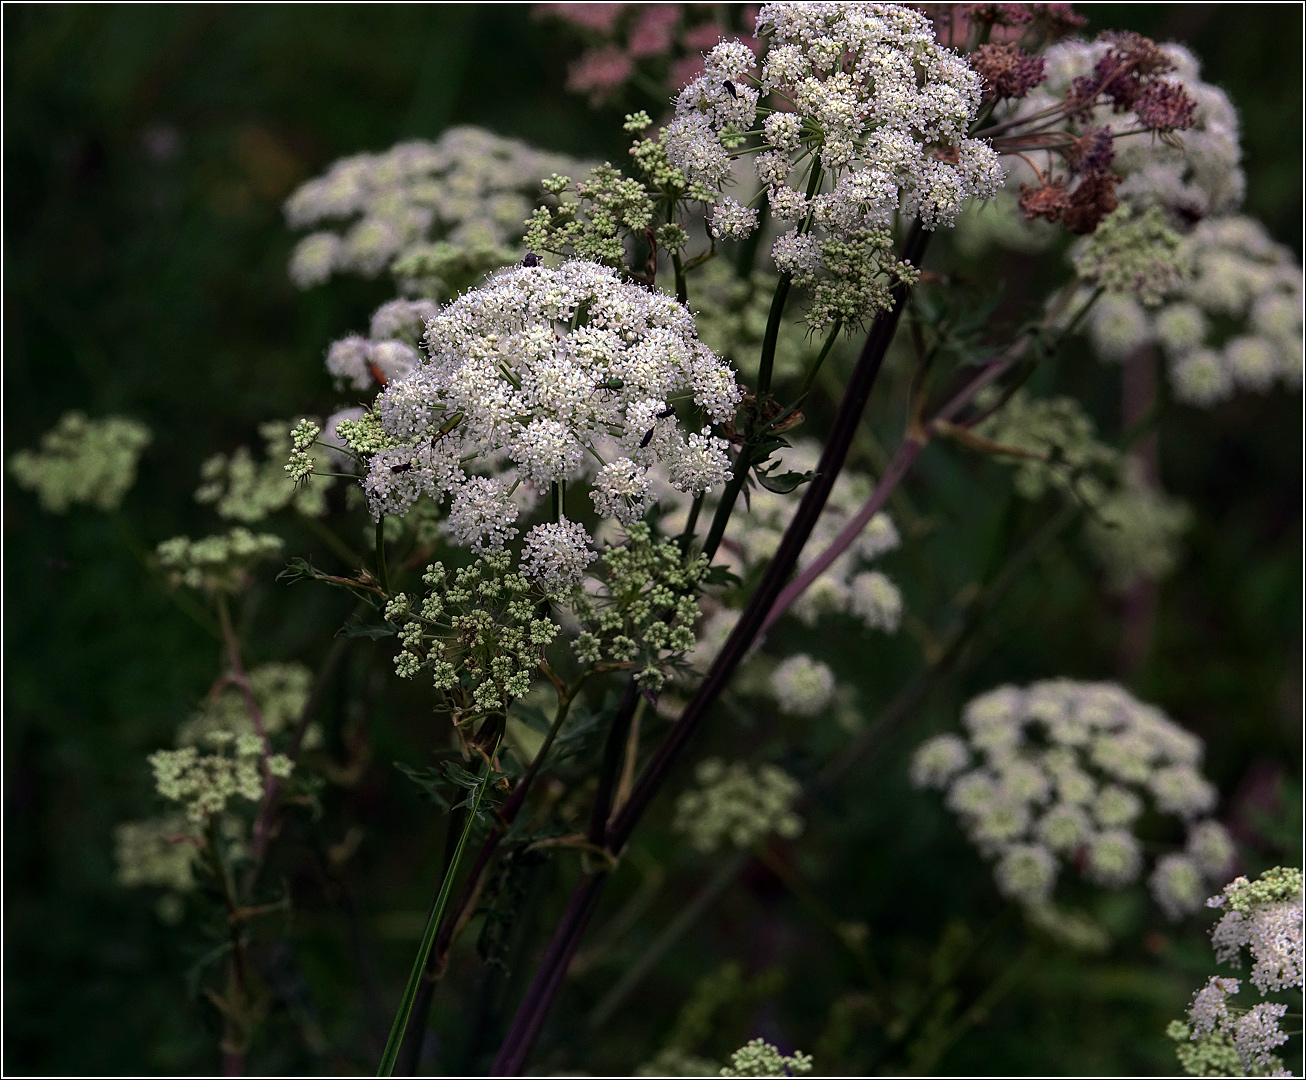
(1128, 76)
(1007, 70)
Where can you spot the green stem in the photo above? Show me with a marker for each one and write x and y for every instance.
(743, 461)
(682, 286)
(766, 362)
(185, 604)
(386, 1068)
(812, 372)
(691, 523)
(383, 578)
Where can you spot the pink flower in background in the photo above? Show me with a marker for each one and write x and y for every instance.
(654, 30)
(601, 18)
(621, 35)
(702, 37)
(599, 72)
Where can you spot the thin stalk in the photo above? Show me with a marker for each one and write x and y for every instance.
(726, 505)
(614, 753)
(331, 538)
(649, 957)
(766, 361)
(903, 705)
(682, 286)
(386, 1068)
(184, 602)
(691, 523)
(381, 575)
(814, 370)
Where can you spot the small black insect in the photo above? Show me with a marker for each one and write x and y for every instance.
(401, 468)
(531, 259)
(730, 88)
(670, 410)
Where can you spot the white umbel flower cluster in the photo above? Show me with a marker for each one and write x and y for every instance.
(470, 189)
(547, 376)
(873, 95)
(734, 805)
(1064, 771)
(802, 686)
(866, 115)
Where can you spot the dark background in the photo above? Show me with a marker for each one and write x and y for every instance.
(147, 152)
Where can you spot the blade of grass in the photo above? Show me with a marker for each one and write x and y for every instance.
(392, 1044)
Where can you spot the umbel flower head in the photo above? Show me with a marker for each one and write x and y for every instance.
(1064, 771)
(547, 376)
(867, 115)
(1234, 324)
(738, 806)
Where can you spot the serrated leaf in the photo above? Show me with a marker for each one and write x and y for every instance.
(781, 483)
(720, 575)
(429, 783)
(456, 774)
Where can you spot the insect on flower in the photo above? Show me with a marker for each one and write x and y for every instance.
(669, 411)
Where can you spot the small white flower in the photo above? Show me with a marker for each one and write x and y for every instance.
(802, 686)
(556, 554)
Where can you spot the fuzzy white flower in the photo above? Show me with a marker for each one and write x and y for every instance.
(732, 221)
(541, 371)
(870, 118)
(470, 189)
(1063, 768)
(802, 686)
(938, 760)
(556, 554)
(876, 601)
(1177, 885)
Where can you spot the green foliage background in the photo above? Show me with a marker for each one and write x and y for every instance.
(147, 151)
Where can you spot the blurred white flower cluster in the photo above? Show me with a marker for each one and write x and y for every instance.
(738, 806)
(420, 203)
(1234, 324)
(1134, 528)
(1064, 771)
(82, 461)
(848, 586)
